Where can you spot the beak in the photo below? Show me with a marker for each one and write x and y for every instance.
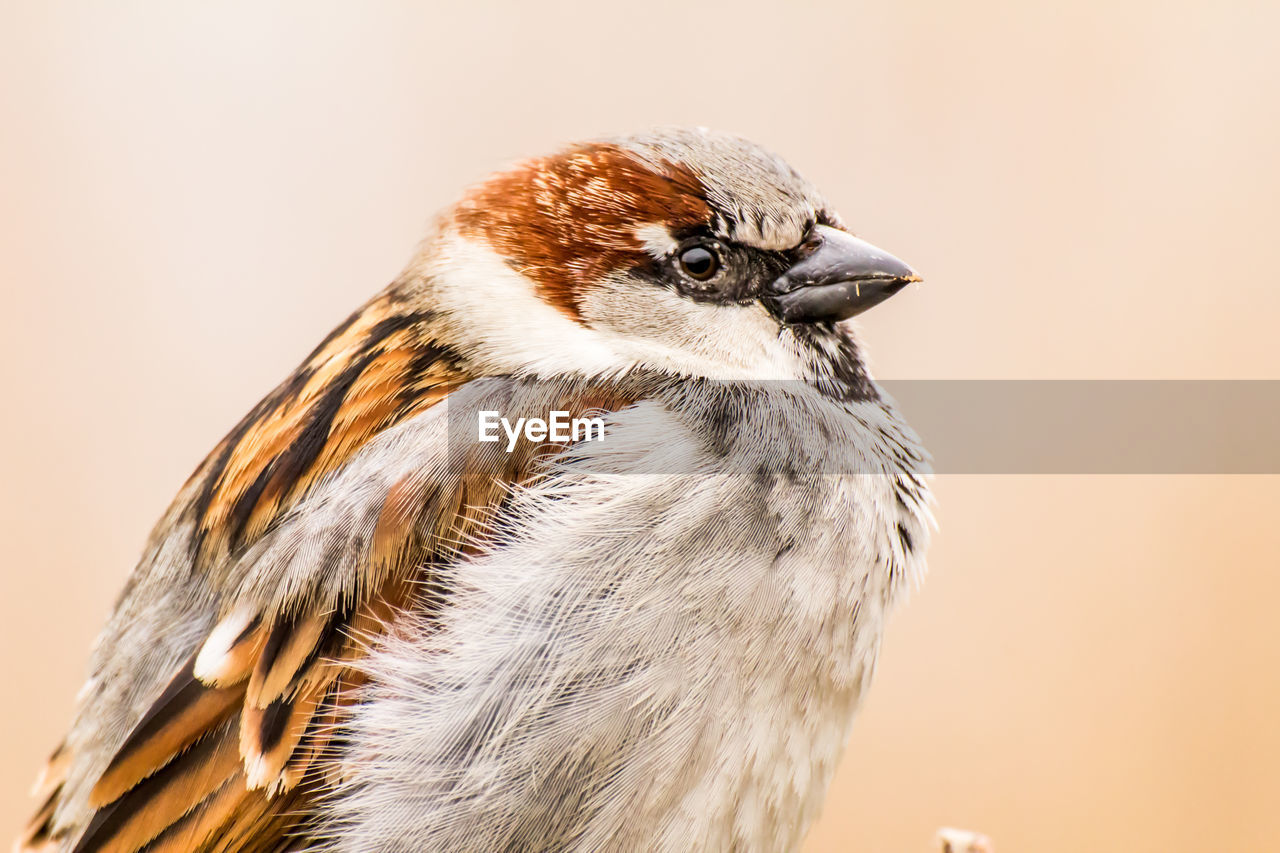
(839, 278)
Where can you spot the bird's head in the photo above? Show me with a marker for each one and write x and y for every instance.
(683, 251)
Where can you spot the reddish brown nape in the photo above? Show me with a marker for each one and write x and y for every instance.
(566, 221)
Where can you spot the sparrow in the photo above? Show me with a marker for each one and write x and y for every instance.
(360, 627)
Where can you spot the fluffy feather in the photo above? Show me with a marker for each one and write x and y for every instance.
(358, 628)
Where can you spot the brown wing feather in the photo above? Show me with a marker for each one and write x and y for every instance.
(53, 774)
(39, 833)
(372, 372)
(185, 711)
(198, 761)
(264, 683)
(159, 800)
(270, 736)
(196, 828)
(291, 646)
(236, 748)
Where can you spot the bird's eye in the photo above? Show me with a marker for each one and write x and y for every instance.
(699, 263)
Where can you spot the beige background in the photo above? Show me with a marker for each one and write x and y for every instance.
(193, 194)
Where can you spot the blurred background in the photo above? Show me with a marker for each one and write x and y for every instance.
(195, 193)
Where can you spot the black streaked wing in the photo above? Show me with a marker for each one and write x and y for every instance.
(239, 741)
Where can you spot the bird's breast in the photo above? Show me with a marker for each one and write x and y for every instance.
(664, 652)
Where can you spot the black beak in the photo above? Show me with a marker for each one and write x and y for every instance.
(840, 277)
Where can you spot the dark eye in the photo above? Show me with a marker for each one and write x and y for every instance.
(699, 262)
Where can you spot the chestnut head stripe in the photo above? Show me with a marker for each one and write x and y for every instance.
(569, 220)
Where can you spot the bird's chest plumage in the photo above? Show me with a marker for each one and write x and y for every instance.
(797, 640)
(666, 651)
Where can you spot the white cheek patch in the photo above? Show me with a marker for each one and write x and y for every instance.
(497, 318)
(661, 329)
(656, 240)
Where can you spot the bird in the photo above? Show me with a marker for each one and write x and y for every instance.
(362, 625)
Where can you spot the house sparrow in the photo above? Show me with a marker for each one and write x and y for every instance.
(359, 627)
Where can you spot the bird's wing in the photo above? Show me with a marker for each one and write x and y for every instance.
(309, 528)
(230, 752)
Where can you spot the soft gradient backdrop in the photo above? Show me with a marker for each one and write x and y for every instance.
(193, 194)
